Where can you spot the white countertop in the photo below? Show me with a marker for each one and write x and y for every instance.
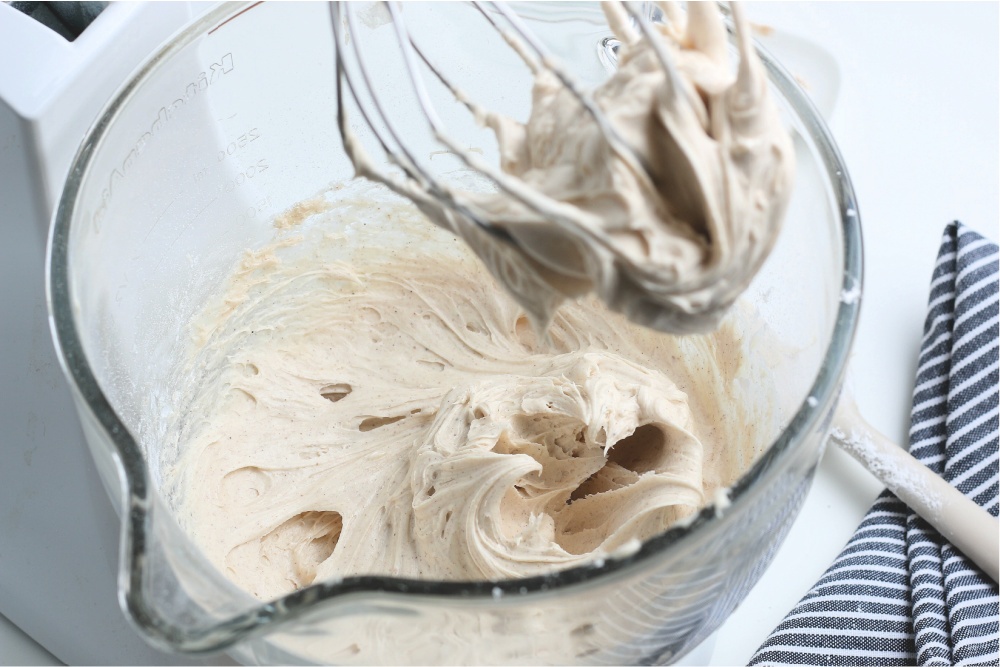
(916, 117)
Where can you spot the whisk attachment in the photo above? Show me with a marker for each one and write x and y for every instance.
(661, 189)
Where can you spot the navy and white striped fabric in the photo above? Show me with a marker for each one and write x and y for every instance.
(899, 594)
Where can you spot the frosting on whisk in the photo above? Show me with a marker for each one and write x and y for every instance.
(665, 200)
(670, 239)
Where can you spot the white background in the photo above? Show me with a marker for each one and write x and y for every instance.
(916, 117)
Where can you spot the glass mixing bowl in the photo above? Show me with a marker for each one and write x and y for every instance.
(232, 122)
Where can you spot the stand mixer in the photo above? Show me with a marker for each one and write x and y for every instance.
(75, 464)
(57, 531)
(153, 216)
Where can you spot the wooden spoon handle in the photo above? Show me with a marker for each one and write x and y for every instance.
(961, 521)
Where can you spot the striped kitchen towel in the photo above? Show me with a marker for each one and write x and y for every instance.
(899, 594)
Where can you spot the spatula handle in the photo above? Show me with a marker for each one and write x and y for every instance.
(962, 522)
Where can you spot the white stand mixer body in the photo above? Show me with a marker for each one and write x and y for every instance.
(58, 534)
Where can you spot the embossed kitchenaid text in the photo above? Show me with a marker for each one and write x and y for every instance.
(167, 112)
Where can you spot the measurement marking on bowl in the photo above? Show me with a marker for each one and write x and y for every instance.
(259, 167)
(251, 211)
(158, 218)
(185, 228)
(238, 144)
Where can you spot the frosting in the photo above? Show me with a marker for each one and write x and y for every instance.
(365, 399)
(667, 213)
(362, 398)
